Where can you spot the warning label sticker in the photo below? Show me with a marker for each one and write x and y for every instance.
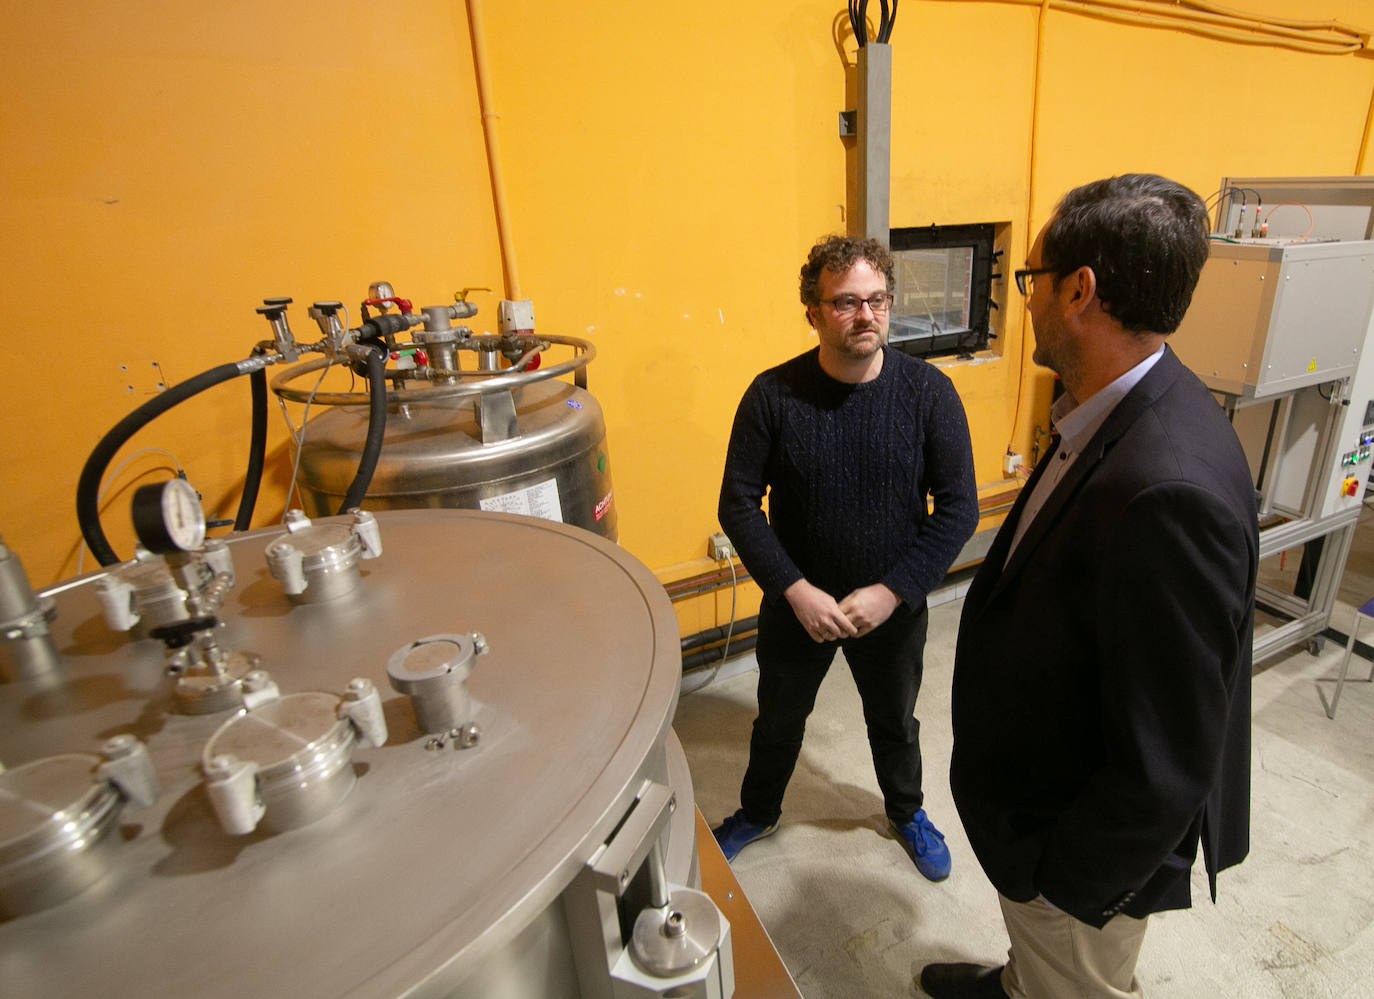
(539, 500)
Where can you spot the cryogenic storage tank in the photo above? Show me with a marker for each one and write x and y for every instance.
(433, 455)
(532, 837)
(509, 440)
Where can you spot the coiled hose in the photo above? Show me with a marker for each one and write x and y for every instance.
(88, 486)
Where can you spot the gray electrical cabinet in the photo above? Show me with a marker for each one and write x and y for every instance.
(1277, 329)
(1270, 317)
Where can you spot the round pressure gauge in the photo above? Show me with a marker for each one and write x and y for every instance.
(168, 517)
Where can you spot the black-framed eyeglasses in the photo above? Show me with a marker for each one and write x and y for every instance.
(1026, 272)
(847, 305)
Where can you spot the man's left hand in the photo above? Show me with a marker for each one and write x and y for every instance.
(869, 606)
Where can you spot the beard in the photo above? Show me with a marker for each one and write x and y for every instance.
(1044, 357)
(852, 347)
(1050, 343)
(1058, 351)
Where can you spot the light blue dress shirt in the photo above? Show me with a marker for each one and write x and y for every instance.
(1076, 423)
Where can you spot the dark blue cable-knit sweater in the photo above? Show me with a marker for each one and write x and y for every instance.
(848, 469)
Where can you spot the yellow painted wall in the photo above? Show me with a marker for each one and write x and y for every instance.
(667, 167)
(165, 166)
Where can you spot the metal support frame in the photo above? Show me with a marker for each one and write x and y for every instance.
(874, 141)
(1308, 618)
(1365, 610)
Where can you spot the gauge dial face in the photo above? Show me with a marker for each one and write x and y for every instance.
(182, 515)
(168, 517)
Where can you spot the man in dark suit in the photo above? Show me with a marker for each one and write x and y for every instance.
(1101, 699)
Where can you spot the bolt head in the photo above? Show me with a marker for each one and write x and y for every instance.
(221, 765)
(119, 746)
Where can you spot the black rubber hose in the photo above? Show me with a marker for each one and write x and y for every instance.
(257, 452)
(376, 428)
(710, 635)
(704, 656)
(88, 486)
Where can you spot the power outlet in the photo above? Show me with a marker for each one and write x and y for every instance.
(1011, 463)
(718, 546)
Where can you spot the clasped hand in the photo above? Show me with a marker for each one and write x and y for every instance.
(826, 619)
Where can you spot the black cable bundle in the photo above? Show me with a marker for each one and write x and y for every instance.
(858, 21)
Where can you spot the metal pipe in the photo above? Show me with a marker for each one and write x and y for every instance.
(709, 635)
(586, 353)
(705, 656)
(26, 648)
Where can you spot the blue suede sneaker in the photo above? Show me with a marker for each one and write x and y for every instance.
(925, 845)
(737, 832)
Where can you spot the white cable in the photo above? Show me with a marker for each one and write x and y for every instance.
(729, 633)
(298, 438)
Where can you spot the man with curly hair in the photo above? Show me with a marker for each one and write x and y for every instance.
(850, 441)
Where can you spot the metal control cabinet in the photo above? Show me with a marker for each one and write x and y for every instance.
(1277, 329)
(1267, 319)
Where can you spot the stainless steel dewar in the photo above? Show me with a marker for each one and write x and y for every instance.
(317, 832)
(514, 439)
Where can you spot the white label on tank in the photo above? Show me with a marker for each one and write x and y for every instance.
(539, 500)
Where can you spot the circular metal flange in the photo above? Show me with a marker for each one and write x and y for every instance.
(205, 693)
(584, 354)
(673, 940)
(54, 817)
(329, 555)
(432, 671)
(303, 752)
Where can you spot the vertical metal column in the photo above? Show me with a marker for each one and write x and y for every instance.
(875, 139)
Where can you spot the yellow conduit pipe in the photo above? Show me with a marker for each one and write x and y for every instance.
(490, 132)
(1364, 140)
(1030, 207)
(1318, 37)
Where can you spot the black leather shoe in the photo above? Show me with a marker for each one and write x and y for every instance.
(962, 981)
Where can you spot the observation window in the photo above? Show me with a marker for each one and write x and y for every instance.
(944, 289)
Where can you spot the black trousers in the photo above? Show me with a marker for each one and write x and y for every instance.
(886, 664)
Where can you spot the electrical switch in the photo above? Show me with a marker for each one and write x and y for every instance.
(1350, 486)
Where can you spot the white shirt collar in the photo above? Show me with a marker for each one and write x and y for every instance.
(1077, 421)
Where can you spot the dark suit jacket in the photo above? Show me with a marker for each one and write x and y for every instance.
(1102, 678)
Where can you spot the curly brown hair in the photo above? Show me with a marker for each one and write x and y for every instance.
(838, 254)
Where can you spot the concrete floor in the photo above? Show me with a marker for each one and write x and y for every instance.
(852, 918)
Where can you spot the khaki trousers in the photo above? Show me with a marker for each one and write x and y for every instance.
(1055, 956)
